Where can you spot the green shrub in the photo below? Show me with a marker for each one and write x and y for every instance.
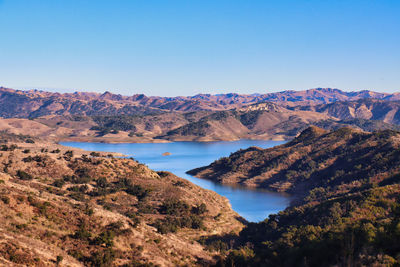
(23, 175)
(134, 217)
(59, 259)
(82, 233)
(105, 238)
(175, 207)
(138, 191)
(5, 199)
(201, 209)
(59, 183)
(102, 258)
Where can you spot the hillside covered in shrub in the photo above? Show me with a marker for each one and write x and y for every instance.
(346, 202)
(78, 208)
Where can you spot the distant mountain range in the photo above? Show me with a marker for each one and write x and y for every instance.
(115, 118)
(34, 103)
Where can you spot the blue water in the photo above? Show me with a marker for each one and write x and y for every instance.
(253, 205)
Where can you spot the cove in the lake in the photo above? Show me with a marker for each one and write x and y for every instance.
(253, 205)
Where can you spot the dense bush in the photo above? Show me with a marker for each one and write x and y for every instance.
(24, 175)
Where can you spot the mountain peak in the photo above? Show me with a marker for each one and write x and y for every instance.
(310, 133)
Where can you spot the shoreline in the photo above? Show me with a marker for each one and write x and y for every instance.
(156, 141)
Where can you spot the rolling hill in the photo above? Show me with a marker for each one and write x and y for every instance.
(68, 207)
(345, 209)
(315, 160)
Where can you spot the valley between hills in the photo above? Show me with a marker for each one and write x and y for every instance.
(69, 207)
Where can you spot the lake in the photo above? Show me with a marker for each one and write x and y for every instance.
(252, 204)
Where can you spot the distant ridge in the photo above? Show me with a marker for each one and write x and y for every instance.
(36, 103)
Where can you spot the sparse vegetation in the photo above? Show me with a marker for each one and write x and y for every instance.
(73, 202)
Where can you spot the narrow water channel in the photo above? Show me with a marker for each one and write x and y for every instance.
(253, 205)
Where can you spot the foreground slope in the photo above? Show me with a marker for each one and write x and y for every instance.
(347, 210)
(69, 206)
(359, 228)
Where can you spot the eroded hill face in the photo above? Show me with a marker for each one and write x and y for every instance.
(80, 208)
(370, 109)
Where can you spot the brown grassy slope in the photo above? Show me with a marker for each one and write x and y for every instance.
(371, 109)
(333, 161)
(261, 121)
(255, 122)
(96, 209)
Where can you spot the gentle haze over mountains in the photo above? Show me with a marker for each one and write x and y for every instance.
(171, 48)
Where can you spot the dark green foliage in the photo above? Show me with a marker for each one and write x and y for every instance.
(94, 154)
(8, 148)
(175, 207)
(38, 159)
(249, 118)
(163, 174)
(29, 141)
(77, 254)
(69, 154)
(59, 259)
(172, 224)
(106, 238)
(169, 225)
(113, 124)
(134, 217)
(102, 182)
(199, 210)
(145, 209)
(359, 229)
(198, 128)
(82, 233)
(102, 258)
(347, 212)
(138, 191)
(82, 176)
(5, 199)
(41, 206)
(59, 183)
(79, 188)
(180, 215)
(24, 175)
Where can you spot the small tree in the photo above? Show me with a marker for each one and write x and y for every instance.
(59, 259)
(23, 175)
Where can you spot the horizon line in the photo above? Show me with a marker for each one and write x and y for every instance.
(73, 91)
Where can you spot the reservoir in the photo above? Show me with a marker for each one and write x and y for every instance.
(178, 157)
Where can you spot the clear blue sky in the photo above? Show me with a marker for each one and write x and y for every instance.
(200, 46)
